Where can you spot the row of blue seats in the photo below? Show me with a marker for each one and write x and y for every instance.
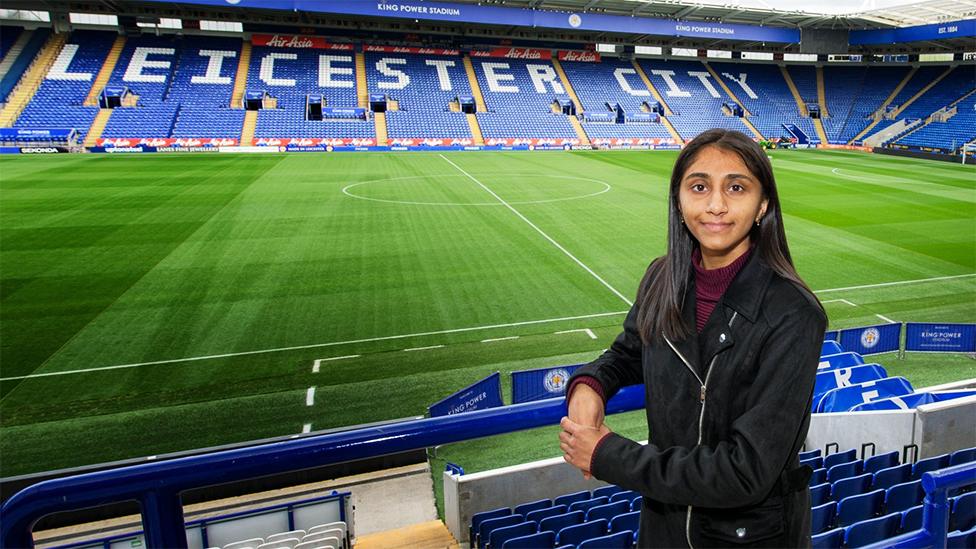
(882, 528)
(863, 507)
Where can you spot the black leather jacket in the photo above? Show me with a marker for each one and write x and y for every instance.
(727, 413)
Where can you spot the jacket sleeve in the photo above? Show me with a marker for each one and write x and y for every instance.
(620, 365)
(743, 469)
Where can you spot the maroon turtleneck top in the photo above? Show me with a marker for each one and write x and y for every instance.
(710, 284)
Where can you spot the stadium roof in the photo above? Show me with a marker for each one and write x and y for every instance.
(871, 14)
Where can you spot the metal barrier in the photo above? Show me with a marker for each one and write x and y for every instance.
(157, 486)
(935, 514)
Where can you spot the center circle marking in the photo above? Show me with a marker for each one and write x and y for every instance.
(346, 190)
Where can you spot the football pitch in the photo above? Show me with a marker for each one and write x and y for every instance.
(159, 303)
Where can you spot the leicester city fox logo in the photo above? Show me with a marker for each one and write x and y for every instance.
(870, 337)
(555, 381)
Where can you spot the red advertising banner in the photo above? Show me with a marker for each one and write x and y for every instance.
(405, 49)
(515, 53)
(314, 142)
(167, 142)
(296, 41)
(579, 56)
(516, 141)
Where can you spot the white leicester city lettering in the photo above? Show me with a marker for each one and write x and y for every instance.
(442, 75)
(327, 71)
(216, 62)
(402, 78)
(267, 69)
(705, 78)
(900, 403)
(843, 377)
(673, 89)
(540, 74)
(625, 85)
(741, 81)
(495, 79)
(823, 365)
(140, 60)
(59, 70)
(868, 396)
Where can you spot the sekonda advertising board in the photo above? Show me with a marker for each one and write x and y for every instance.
(514, 53)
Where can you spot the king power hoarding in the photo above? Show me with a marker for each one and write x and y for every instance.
(484, 394)
(940, 338)
(518, 17)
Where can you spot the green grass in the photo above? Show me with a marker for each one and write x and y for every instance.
(154, 260)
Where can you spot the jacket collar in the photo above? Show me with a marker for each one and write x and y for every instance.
(745, 294)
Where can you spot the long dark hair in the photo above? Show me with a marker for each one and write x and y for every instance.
(663, 287)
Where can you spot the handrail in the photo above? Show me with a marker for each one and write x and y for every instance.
(935, 515)
(157, 486)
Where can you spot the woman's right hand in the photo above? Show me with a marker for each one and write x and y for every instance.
(586, 408)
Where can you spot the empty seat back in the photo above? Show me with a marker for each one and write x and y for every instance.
(607, 511)
(840, 457)
(874, 464)
(576, 534)
(860, 507)
(929, 464)
(886, 478)
(902, 496)
(822, 517)
(569, 499)
(539, 514)
(847, 487)
(532, 541)
(558, 522)
(499, 536)
(618, 540)
(873, 530)
(526, 508)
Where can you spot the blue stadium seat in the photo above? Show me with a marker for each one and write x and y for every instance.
(828, 540)
(526, 508)
(828, 380)
(874, 464)
(478, 518)
(490, 525)
(499, 536)
(842, 399)
(822, 517)
(819, 494)
(815, 462)
(558, 522)
(963, 515)
(902, 496)
(607, 511)
(962, 456)
(588, 504)
(627, 495)
(961, 540)
(830, 347)
(569, 499)
(819, 476)
(635, 505)
(848, 487)
(860, 507)
(619, 540)
(607, 491)
(844, 470)
(539, 514)
(911, 519)
(929, 464)
(810, 454)
(533, 541)
(577, 533)
(872, 530)
(839, 457)
(886, 478)
(840, 360)
(627, 521)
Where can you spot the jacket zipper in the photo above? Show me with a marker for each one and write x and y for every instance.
(701, 413)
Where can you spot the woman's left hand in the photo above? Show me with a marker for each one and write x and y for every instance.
(578, 442)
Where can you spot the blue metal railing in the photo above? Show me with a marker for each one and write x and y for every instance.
(157, 486)
(935, 514)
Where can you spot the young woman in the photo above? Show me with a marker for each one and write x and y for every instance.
(725, 337)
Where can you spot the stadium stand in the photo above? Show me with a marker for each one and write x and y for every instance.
(770, 100)
(856, 514)
(519, 95)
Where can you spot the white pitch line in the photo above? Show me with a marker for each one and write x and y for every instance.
(310, 397)
(886, 319)
(307, 428)
(423, 348)
(494, 339)
(852, 304)
(586, 331)
(897, 283)
(540, 231)
(318, 361)
(419, 334)
(315, 345)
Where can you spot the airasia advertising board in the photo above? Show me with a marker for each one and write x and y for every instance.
(579, 56)
(406, 49)
(295, 41)
(514, 53)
